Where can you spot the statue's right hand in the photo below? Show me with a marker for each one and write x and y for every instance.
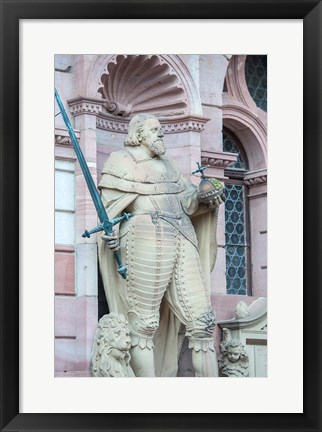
(111, 241)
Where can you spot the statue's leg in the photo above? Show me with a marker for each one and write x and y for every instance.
(204, 360)
(190, 301)
(150, 257)
(142, 362)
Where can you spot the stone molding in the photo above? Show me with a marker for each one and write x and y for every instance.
(236, 81)
(84, 105)
(97, 107)
(175, 125)
(257, 313)
(218, 159)
(254, 178)
(62, 137)
(235, 110)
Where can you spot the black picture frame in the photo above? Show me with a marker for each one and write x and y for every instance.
(11, 12)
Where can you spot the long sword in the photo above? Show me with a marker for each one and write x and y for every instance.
(106, 223)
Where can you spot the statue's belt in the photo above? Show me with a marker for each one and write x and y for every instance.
(155, 215)
(170, 218)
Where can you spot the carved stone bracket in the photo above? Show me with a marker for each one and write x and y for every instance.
(255, 178)
(218, 159)
(81, 105)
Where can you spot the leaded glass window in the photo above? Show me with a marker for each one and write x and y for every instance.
(236, 247)
(235, 240)
(229, 145)
(256, 79)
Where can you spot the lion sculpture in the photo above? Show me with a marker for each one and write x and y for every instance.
(112, 342)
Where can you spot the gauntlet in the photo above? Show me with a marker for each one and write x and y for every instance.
(111, 241)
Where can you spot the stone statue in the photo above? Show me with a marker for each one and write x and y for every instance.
(112, 343)
(233, 360)
(166, 294)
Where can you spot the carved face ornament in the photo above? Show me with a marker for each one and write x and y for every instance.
(234, 354)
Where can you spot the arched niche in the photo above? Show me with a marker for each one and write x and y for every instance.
(160, 84)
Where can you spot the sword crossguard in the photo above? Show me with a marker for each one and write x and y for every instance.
(107, 225)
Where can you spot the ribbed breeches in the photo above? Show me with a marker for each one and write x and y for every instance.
(163, 263)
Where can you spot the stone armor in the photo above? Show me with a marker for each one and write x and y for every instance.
(159, 246)
(163, 262)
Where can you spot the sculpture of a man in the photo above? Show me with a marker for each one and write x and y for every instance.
(169, 256)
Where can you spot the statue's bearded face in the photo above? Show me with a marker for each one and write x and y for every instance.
(152, 137)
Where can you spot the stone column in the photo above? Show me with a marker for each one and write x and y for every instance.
(85, 112)
(212, 71)
(218, 162)
(257, 183)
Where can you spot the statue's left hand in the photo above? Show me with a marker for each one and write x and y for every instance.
(216, 201)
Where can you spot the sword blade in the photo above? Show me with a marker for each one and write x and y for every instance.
(100, 209)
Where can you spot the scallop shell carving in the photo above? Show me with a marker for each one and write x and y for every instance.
(142, 83)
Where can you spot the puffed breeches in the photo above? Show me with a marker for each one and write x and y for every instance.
(164, 265)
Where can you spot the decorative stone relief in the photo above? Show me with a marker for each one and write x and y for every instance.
(218, 159)
(142, 83)
(241, 310)
(258, 177)
(112, 342)
(82, 105)
(251, 331)
(233, 360)
(62, 137)
(182, 124)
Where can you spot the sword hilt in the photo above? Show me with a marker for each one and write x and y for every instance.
(107, 226)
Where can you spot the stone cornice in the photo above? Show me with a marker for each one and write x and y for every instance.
(184, 124)
(170, 125)
(112, 124)
(218, 159)
(254, 178)
(82, 105)
(94, 106)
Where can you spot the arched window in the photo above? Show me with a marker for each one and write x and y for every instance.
(256, 79)
(236, 220)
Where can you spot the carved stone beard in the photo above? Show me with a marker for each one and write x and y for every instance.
(158, 148)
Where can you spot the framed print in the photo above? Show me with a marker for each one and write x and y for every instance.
(39, 38)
